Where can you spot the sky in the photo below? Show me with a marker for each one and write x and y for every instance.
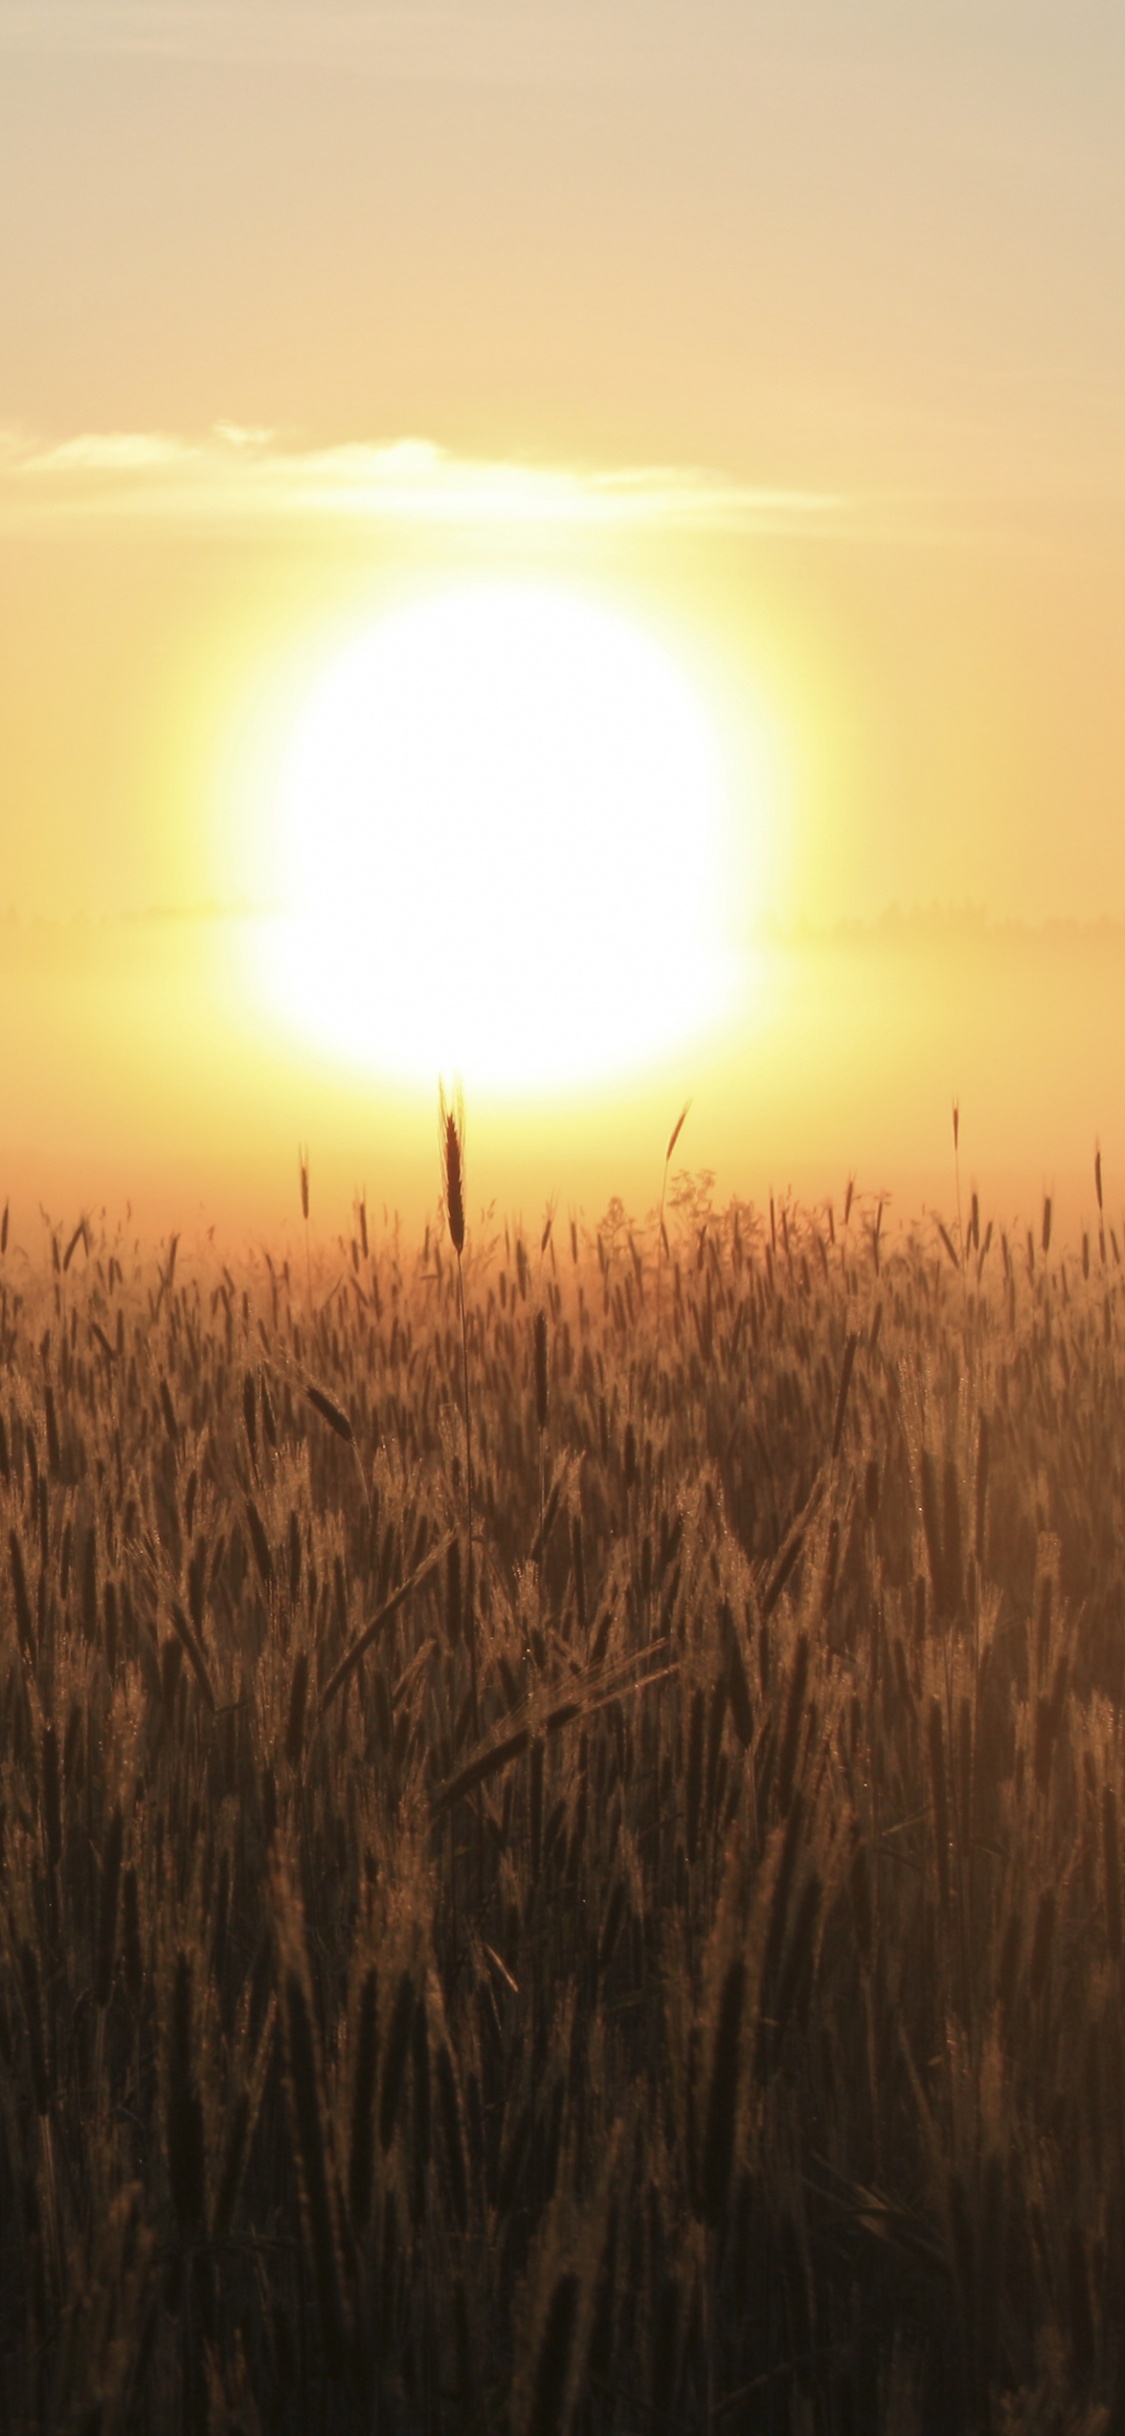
(792, 337)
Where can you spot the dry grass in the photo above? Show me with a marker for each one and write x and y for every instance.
(560, 1831)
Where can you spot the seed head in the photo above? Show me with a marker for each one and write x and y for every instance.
(452, 1133)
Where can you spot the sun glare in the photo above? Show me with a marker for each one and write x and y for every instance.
(502, 834)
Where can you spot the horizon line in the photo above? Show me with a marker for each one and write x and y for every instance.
(937, 918)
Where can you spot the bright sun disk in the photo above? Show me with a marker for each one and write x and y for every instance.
(502, 833)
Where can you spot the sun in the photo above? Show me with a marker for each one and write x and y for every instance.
(501, 836)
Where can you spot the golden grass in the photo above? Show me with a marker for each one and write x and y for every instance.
(560, 1855)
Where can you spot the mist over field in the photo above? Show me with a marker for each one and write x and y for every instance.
(141, 1069)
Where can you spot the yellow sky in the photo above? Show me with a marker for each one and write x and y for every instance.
(797, 334)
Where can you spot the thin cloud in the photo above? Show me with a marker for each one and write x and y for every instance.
(110, 452)
(242, 472)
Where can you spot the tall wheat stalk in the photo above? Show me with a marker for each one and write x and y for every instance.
(303, 1173)
(661, 1236)
(452, 1129)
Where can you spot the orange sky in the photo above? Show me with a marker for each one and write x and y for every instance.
(798, 333)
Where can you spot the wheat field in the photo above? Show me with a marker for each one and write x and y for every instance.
(560, 1855)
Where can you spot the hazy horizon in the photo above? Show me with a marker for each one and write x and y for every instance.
(151, 1078)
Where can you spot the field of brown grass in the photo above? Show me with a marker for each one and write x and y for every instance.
(609, 1921)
